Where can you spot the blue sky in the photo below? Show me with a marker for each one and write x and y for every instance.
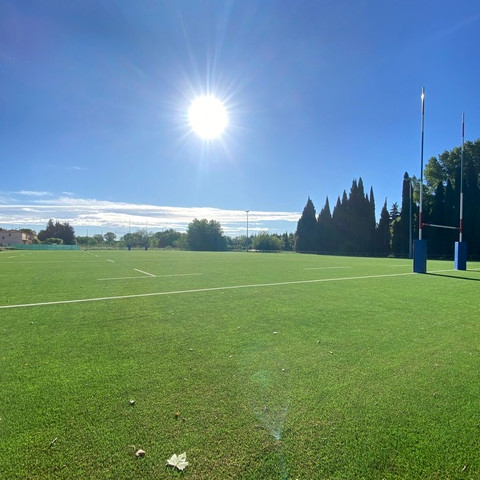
(94, 98)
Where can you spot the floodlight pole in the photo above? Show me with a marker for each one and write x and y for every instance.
(246, 211)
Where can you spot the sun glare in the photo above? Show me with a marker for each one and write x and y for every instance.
(208, 117)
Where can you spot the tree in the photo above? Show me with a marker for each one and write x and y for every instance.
(288, 242)
(382, 233)
(340, 228)
(109, 238)
(371, 222)
(137, 239)
(267, 242)
(353, 221)
(394, 220)
(446, 168)
(305, 236)
(169, 238)
(471, 213)
(99, 238)
(394, 212)
(361, 218)
(58, 230)
(402, 226)
(324, 229)
(206, 236)
(86, 241)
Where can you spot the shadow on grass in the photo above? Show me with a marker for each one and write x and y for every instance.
(454, 276)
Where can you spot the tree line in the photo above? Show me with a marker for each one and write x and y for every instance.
(352, 229)
(201, 235)
(443, 182)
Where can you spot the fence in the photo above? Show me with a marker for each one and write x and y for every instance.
(21, 246)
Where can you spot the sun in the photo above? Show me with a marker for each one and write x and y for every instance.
(208, 117)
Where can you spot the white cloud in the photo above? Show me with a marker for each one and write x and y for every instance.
(101, 214)
(32, 193)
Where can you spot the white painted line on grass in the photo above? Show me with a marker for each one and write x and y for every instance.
(203, 290)
(108, 260)
(145, 273)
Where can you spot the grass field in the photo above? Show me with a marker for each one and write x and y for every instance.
(258, 366)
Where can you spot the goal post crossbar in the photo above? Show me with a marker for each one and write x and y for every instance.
(440, 226)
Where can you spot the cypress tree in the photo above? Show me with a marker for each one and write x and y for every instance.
(394, 221)
(324, 228)
(382, 234)
(371, 223)
(356, 217)
(305, 236)
(403, 227)
(340, 226)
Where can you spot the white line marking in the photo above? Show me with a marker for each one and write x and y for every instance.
(108, 260)
(201, 290)
(145, 273)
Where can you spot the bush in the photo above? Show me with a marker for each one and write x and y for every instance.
(267, 242)
(53, 241)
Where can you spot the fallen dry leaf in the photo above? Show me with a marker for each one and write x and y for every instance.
(178, 461)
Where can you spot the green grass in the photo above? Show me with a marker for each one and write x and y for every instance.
(365, 378)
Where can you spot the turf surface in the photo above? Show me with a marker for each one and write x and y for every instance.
(258, 366)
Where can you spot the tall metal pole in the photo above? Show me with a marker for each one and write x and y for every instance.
(460, 236)
(246, 211)
(410, 224)
(420, 213)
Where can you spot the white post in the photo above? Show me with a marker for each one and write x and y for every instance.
(420, 213)
(460, 236)
(246, 211)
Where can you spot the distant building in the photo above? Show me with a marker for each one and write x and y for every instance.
(13, 237)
